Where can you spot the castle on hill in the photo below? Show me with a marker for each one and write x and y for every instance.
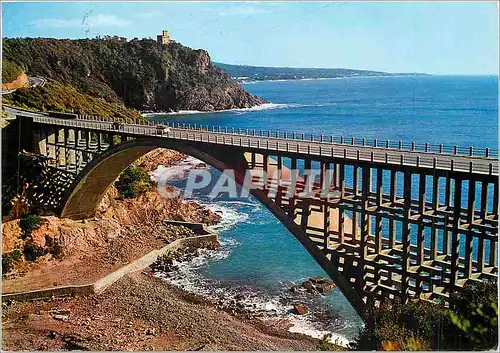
(163, 38)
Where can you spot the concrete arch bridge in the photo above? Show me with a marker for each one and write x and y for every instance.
(401, 221)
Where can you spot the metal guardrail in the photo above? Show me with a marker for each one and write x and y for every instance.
(471, 151)
(362, 153)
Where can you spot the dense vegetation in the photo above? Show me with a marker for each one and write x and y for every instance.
(469, 324)
(256, 73)
(56, 96)
(139, 73)
(133, 182)
(10, 71)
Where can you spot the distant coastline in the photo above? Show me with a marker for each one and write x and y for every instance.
(244, 81)
(245, 73)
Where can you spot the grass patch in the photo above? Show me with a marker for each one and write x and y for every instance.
(55, 96)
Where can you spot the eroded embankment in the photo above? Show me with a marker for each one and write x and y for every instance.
(87, 250)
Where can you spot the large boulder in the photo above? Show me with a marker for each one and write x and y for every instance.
(300, 309)
(318, 284)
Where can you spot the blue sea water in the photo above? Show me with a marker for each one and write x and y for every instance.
(260, 257)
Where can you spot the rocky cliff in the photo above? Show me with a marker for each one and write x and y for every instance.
(140, 73)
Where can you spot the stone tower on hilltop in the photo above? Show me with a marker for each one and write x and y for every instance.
(163, 38)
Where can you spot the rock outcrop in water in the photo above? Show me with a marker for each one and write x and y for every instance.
(139, 73)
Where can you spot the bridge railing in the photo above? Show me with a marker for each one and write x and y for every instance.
(471, 151)
(289, 143)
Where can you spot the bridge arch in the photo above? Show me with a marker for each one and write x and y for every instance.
(85, 194)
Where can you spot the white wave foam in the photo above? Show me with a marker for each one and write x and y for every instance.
(243, 203)
(301, 324)
(177, 171)
(229, 216)
(265, 106)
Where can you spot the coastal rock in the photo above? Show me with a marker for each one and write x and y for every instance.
(300, 309)
(318, 284)
(308, 285)
(60, 317)
(318, 279)
(325, 287)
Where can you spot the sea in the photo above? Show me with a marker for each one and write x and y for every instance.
(260, 260)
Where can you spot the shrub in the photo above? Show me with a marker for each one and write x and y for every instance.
(470, 323)
(9, 258)
(326, 345)
(475, 313)
(32, 251)
(133, 181)
(54, 247)
(28, 224)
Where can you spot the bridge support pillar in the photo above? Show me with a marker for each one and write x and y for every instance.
(265, 161)
(455, 244)
(66, 150)
(306, 200)
(325, 183)
(405, 258)
(279, 188)
(293, 185)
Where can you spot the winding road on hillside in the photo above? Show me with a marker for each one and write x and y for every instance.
(32, 82)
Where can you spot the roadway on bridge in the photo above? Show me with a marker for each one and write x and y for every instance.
(441, 161)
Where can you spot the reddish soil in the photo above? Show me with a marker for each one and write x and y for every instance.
(139, 313)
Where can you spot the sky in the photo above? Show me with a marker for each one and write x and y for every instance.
(456, 38)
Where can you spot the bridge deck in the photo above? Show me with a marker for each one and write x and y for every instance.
(379, 155)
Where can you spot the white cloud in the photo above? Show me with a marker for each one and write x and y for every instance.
(103, 20)
(243, 10)
(146, 15)
(55, 23)
(99, 20)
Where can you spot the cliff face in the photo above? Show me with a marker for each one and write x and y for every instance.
(139, 73)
